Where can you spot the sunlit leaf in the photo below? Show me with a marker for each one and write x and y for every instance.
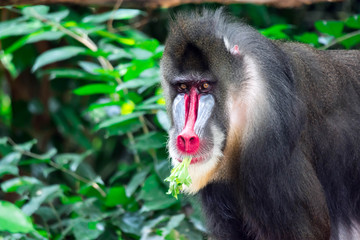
(309, 38)
(276, 31)
(353, 22)
(127, 107)
(56, 55)
(95, 89)
(114, 37)
(116, 196)
(13, 220)
(333, 28)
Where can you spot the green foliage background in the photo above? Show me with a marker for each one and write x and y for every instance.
(83, 123)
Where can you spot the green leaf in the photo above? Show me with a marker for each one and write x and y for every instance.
(12, 158)
(163, 119)
(95, 89)
(8, 169)
(85, 229)
(152, 140)
(76, 74)
(89, 67)
(17, 223)
(351, 41)
(116, 196)
(173, 223)
(148, 44)
(114, 37)
(120, 14)
(43, 195)
(353, 22)
(136, 83)
(117, 120)
(136, 181)
(20, 29)
(58, 16)
(141, 54)
(34, 37)
(122, 128)
(56, 55)
(130, 223)
(309, 38)
(332, 28)
(35, 11)
(72, 159)
(276, 31)
(154, 195)
(25, 146)
(19, 184)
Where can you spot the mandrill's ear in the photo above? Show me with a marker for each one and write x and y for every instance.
(235, 50)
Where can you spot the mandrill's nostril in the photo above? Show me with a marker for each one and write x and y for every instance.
(188, 142)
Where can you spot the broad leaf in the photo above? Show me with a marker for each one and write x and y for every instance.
(36, 11)
(332, 28)
(56, 55)
(116, 196)
(117, 120)
(353, 22)
(13, 220)
(95, 89)
(120, 14)
(20, 184)
(152, 140)
(154, 195)
(43, 195)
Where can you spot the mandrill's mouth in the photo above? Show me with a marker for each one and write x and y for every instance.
(194, 160)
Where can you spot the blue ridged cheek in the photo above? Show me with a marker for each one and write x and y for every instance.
(178, 112)
(205, 109)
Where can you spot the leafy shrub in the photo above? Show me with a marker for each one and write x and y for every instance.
(113, 79)
(99, 172)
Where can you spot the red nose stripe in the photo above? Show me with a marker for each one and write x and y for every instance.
(188, 141)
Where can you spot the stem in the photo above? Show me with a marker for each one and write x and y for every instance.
(111, 20)
(340, 39)
(56, 216)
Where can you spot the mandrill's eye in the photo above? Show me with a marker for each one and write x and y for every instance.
(182, 87)
(204, 87)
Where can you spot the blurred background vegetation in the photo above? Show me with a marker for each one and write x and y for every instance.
(83, 121)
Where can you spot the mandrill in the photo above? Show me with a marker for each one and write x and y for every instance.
(273, 129)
